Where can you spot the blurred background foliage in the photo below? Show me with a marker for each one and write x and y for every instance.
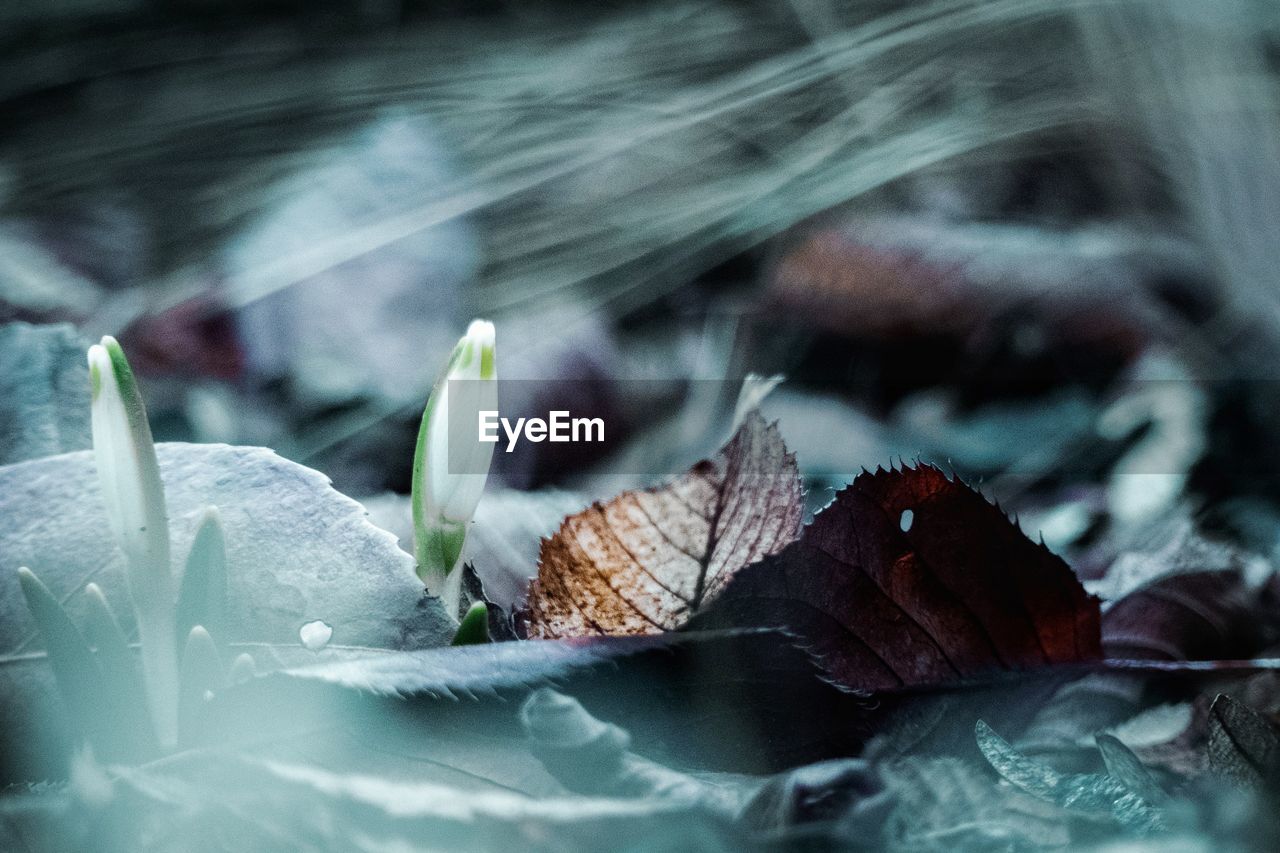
(964, 230)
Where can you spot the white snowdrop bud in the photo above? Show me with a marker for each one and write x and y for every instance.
(125, 457)
(447, 488)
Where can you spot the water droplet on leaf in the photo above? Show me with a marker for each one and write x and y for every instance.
(315, 635)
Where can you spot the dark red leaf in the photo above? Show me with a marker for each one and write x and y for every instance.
(890, 599)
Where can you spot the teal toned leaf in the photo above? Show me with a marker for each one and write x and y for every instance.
(589, 756)
(202, 598)
(201, 674)
(761, 682)
(120, 670)
(79, 679)
(939, 804)
(99, 710)
(248, 804)
(296, 551)
(1123, 798)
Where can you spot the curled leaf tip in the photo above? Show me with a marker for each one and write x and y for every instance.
(243, 668)
(553, 720)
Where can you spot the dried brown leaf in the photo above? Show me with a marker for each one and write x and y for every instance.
(899, 278)
(647, 560)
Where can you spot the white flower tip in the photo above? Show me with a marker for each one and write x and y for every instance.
(99, 363)
(104, 349)
(480, 339)
(481, 333)
(106, 359)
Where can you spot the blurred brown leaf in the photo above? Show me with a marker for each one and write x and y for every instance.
(1190, 616)
(1090, 289)
(911, 578)
(194, 339)
(647, 560)
(840, 285)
